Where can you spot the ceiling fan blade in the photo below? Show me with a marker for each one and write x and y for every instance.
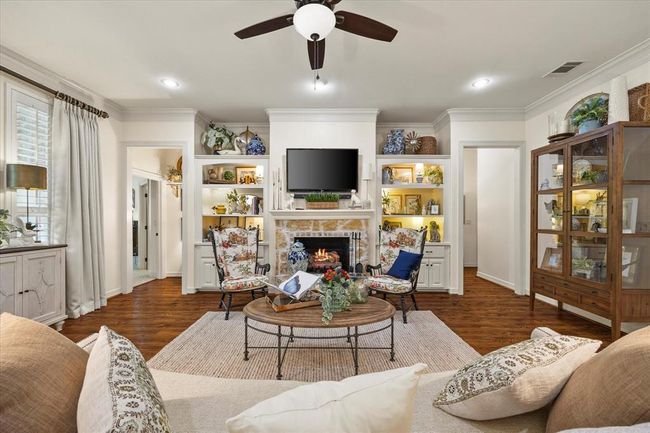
(316, 54)
(363, 26)
(265, 27)
(333, 2)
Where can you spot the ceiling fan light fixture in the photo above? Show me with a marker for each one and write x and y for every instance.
(314, 21)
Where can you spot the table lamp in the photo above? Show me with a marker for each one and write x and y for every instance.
(25, 176)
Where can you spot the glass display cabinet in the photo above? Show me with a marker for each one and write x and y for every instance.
(590, 222)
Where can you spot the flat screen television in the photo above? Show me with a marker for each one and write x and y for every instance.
(333, 170)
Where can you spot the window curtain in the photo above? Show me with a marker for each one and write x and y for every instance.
(77, 206)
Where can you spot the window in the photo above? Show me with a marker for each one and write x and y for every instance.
(30, 143)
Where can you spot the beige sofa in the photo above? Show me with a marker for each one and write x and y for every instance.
(201, 404)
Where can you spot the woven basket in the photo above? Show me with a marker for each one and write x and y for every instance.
(322, 205)
(640, 102)
(429, 146)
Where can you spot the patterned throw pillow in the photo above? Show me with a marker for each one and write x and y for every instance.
(515, 379)
(393, 241)
(119, 394)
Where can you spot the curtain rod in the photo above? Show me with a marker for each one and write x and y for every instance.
(59, 95)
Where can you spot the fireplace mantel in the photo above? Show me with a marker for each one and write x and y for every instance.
(322, 214)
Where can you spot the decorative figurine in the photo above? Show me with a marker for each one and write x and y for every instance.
(355, 201)
(291, 202)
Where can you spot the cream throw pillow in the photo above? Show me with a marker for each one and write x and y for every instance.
(372, 403)
(516, 379)
(119, 393)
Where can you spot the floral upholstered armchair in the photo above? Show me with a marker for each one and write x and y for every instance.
(390, 244)
(235, 253)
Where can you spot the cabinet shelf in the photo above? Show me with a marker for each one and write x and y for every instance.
(232, 186)
(410, 216)
(411, 186)
(590, 186)
(550, 191)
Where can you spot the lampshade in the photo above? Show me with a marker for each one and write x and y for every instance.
(366, 171)
(24, 176)
(314, 21)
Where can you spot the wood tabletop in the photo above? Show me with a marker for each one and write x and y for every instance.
(375, 310)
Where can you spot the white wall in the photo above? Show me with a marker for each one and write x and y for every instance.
(470, 232)
(173, 247)
(495, 208)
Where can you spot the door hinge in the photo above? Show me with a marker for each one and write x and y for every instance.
(146, 227)
(146, 195)
(146, 259)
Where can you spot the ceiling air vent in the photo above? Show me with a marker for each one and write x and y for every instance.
(563, 69)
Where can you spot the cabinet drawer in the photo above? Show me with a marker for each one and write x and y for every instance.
(592, 303)
(546, 279)
(566, 295)
(434, 252)
(544, 289)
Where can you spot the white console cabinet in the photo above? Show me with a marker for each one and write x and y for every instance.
(32, 283)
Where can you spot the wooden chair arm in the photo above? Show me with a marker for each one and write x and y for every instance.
(262, 269)
(373, 270)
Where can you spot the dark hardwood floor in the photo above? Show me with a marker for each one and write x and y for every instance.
(487, 317)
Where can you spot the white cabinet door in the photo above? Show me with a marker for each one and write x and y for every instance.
(207, 273)
(41, 292)
(436, 271)
(423, 276)
(10, 282)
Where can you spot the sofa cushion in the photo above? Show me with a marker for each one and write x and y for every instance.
(200, 404)
(638, 428)
(41, 374)
(388, 283)
(119, 393)
(353, 405)
(239, 284)
(611, 389)
(515, 379)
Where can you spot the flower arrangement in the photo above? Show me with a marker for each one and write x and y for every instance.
(434, 174)
(6, 228)
(334, 296)
(322, 196)
(593, 109)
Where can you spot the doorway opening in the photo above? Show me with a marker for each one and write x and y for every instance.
(145, 222)
(491, 217)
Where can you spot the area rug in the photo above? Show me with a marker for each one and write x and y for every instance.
(214, 347)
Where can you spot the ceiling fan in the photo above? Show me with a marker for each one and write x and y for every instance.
(315, 19)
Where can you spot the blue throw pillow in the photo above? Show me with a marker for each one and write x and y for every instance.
(404, 264)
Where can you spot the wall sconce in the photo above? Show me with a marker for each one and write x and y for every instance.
(175, 177)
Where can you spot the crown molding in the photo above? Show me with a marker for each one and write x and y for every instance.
(14, 61)
(485, 114)
(624, 62)
(404, 125)
(159, 114)
(441, 121)
(322, 114)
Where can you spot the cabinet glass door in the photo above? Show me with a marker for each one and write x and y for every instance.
(635, 206)
(589, 212)
(550, 224)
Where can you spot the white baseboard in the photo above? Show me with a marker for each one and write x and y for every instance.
(173, 274)
(113, 292)
(496, 280)
(625, 327)
(470, 265)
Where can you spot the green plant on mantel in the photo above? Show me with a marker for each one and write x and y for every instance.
(593, 109)
(322, 196)
(6, 228)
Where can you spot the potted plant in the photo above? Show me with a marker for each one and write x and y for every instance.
(322, 200)
(434, 174)
(334, 296)
(385, 203)
(237, 203)
(590, 115)
(174, 175)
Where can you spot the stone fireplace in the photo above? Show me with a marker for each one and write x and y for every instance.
(347, 238)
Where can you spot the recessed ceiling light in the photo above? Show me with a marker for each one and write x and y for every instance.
(170, 83)
(480, 83)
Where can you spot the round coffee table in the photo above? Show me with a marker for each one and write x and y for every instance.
(374, 311)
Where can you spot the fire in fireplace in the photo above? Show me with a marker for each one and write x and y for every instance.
(326, 252)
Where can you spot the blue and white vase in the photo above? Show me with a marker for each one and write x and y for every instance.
(394, 142)
(255, 146)
(298, 258)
